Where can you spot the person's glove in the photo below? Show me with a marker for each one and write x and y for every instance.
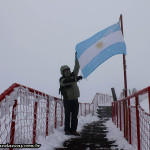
(79, 78)
(75, 54)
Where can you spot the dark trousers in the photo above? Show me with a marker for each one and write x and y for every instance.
(71, 115)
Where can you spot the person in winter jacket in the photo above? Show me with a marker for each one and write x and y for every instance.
(70, 92)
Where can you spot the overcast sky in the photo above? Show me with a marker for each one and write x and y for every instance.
(37, 37)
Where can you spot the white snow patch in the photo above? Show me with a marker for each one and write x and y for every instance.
(115, 134)
(86, 119)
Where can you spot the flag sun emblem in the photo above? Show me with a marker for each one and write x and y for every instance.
(99, 45)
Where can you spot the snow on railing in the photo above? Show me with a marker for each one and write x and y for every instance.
(128, 115)
(26, 113)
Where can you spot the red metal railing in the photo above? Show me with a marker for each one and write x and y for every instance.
(26, 113)
(128, 115)
(99, 99)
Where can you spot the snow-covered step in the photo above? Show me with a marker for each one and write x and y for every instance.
(104, 111)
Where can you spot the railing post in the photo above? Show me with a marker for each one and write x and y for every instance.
(129, 121)
(126, 115)
(62, 115)
(81, 108)
(149, 99)
(120, 116)
(47, 113)
(104, 99)
(93, 108)
(149, 106)
(85, 109)
(34, 125)
(112, 111)
(99, 99)
(137, 121)
(117, 112)
(55, 114)
(12, 130)
(89, 109)
(124, 118)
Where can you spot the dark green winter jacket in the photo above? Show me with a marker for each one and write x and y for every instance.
(72, 91)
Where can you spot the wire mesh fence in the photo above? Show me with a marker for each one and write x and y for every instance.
(132, 120)
(26, 113)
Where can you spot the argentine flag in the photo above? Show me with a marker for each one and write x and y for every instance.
(100, 47)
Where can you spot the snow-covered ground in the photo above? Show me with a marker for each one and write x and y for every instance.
(115, 134)
(57, 138)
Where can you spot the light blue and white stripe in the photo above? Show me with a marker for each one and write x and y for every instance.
(100, 47)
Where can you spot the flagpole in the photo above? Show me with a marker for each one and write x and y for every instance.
(125, 87)
(124, 61)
